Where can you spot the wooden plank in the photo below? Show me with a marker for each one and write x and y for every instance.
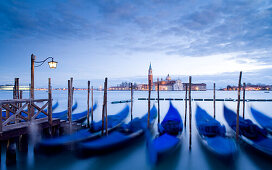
(21, 101)
(22, 117)
(14, 115)
(40, 110)
(13, 105)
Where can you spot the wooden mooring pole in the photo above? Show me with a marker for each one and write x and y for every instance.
(149, 94)
(238, 106)
(49, 110)
(214, 100)
(16, 95)
(190, 113)
(69, 101)
(103, 110)
(158, 89)
(131, 101)
(186, 88)
(88, 105)
(244, 99)
(92, 105)
(106, 105)
(72, 98)
(1, 123)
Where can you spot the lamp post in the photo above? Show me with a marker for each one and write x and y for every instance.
(52, 64)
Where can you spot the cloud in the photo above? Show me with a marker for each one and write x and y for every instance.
(127, 30)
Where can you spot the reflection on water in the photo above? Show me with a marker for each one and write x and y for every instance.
(135, 156)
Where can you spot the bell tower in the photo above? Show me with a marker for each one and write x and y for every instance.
(150, 75)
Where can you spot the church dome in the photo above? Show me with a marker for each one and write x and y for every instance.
(168, 78)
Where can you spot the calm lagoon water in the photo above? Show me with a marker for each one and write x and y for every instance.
(135, 156)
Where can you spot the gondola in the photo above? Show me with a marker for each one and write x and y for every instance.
(262, 119)
(118, 139)
(169, 137)
(59, 115)
(249, 132)
(213, 135)
(82, 116)
(53, 107)
(57, 143)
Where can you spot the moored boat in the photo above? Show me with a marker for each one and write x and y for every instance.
(114, 121)
(213, 135)
(82, 116)
(262, 119)
(249, 132)
(169, 137)
(118, 139)
(59, 115)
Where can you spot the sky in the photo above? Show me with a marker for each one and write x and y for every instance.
(209, 40)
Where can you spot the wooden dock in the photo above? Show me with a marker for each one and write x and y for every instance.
(22, 128)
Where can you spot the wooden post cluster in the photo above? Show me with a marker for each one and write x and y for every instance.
(49, 109)
(238, 106)
(214, 100)
(186, 88)
(244, 99)
(104, 109)
(158, 89)
(70, 99)
(88, 105)
(149, 94)
(190, 113)
(131, 99)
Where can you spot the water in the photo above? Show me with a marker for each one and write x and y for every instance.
(135, 156)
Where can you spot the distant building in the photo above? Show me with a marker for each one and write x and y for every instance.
(195, 87)
(10, 87)
(123, 86)
(165, 85)
(249, 87)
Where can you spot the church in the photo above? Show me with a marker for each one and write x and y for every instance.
(167, 84)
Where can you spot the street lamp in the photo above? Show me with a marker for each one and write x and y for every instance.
(52, 64)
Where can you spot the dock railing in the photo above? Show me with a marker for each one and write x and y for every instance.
(19, 110)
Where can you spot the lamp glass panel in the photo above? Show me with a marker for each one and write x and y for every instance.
(52, 64)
